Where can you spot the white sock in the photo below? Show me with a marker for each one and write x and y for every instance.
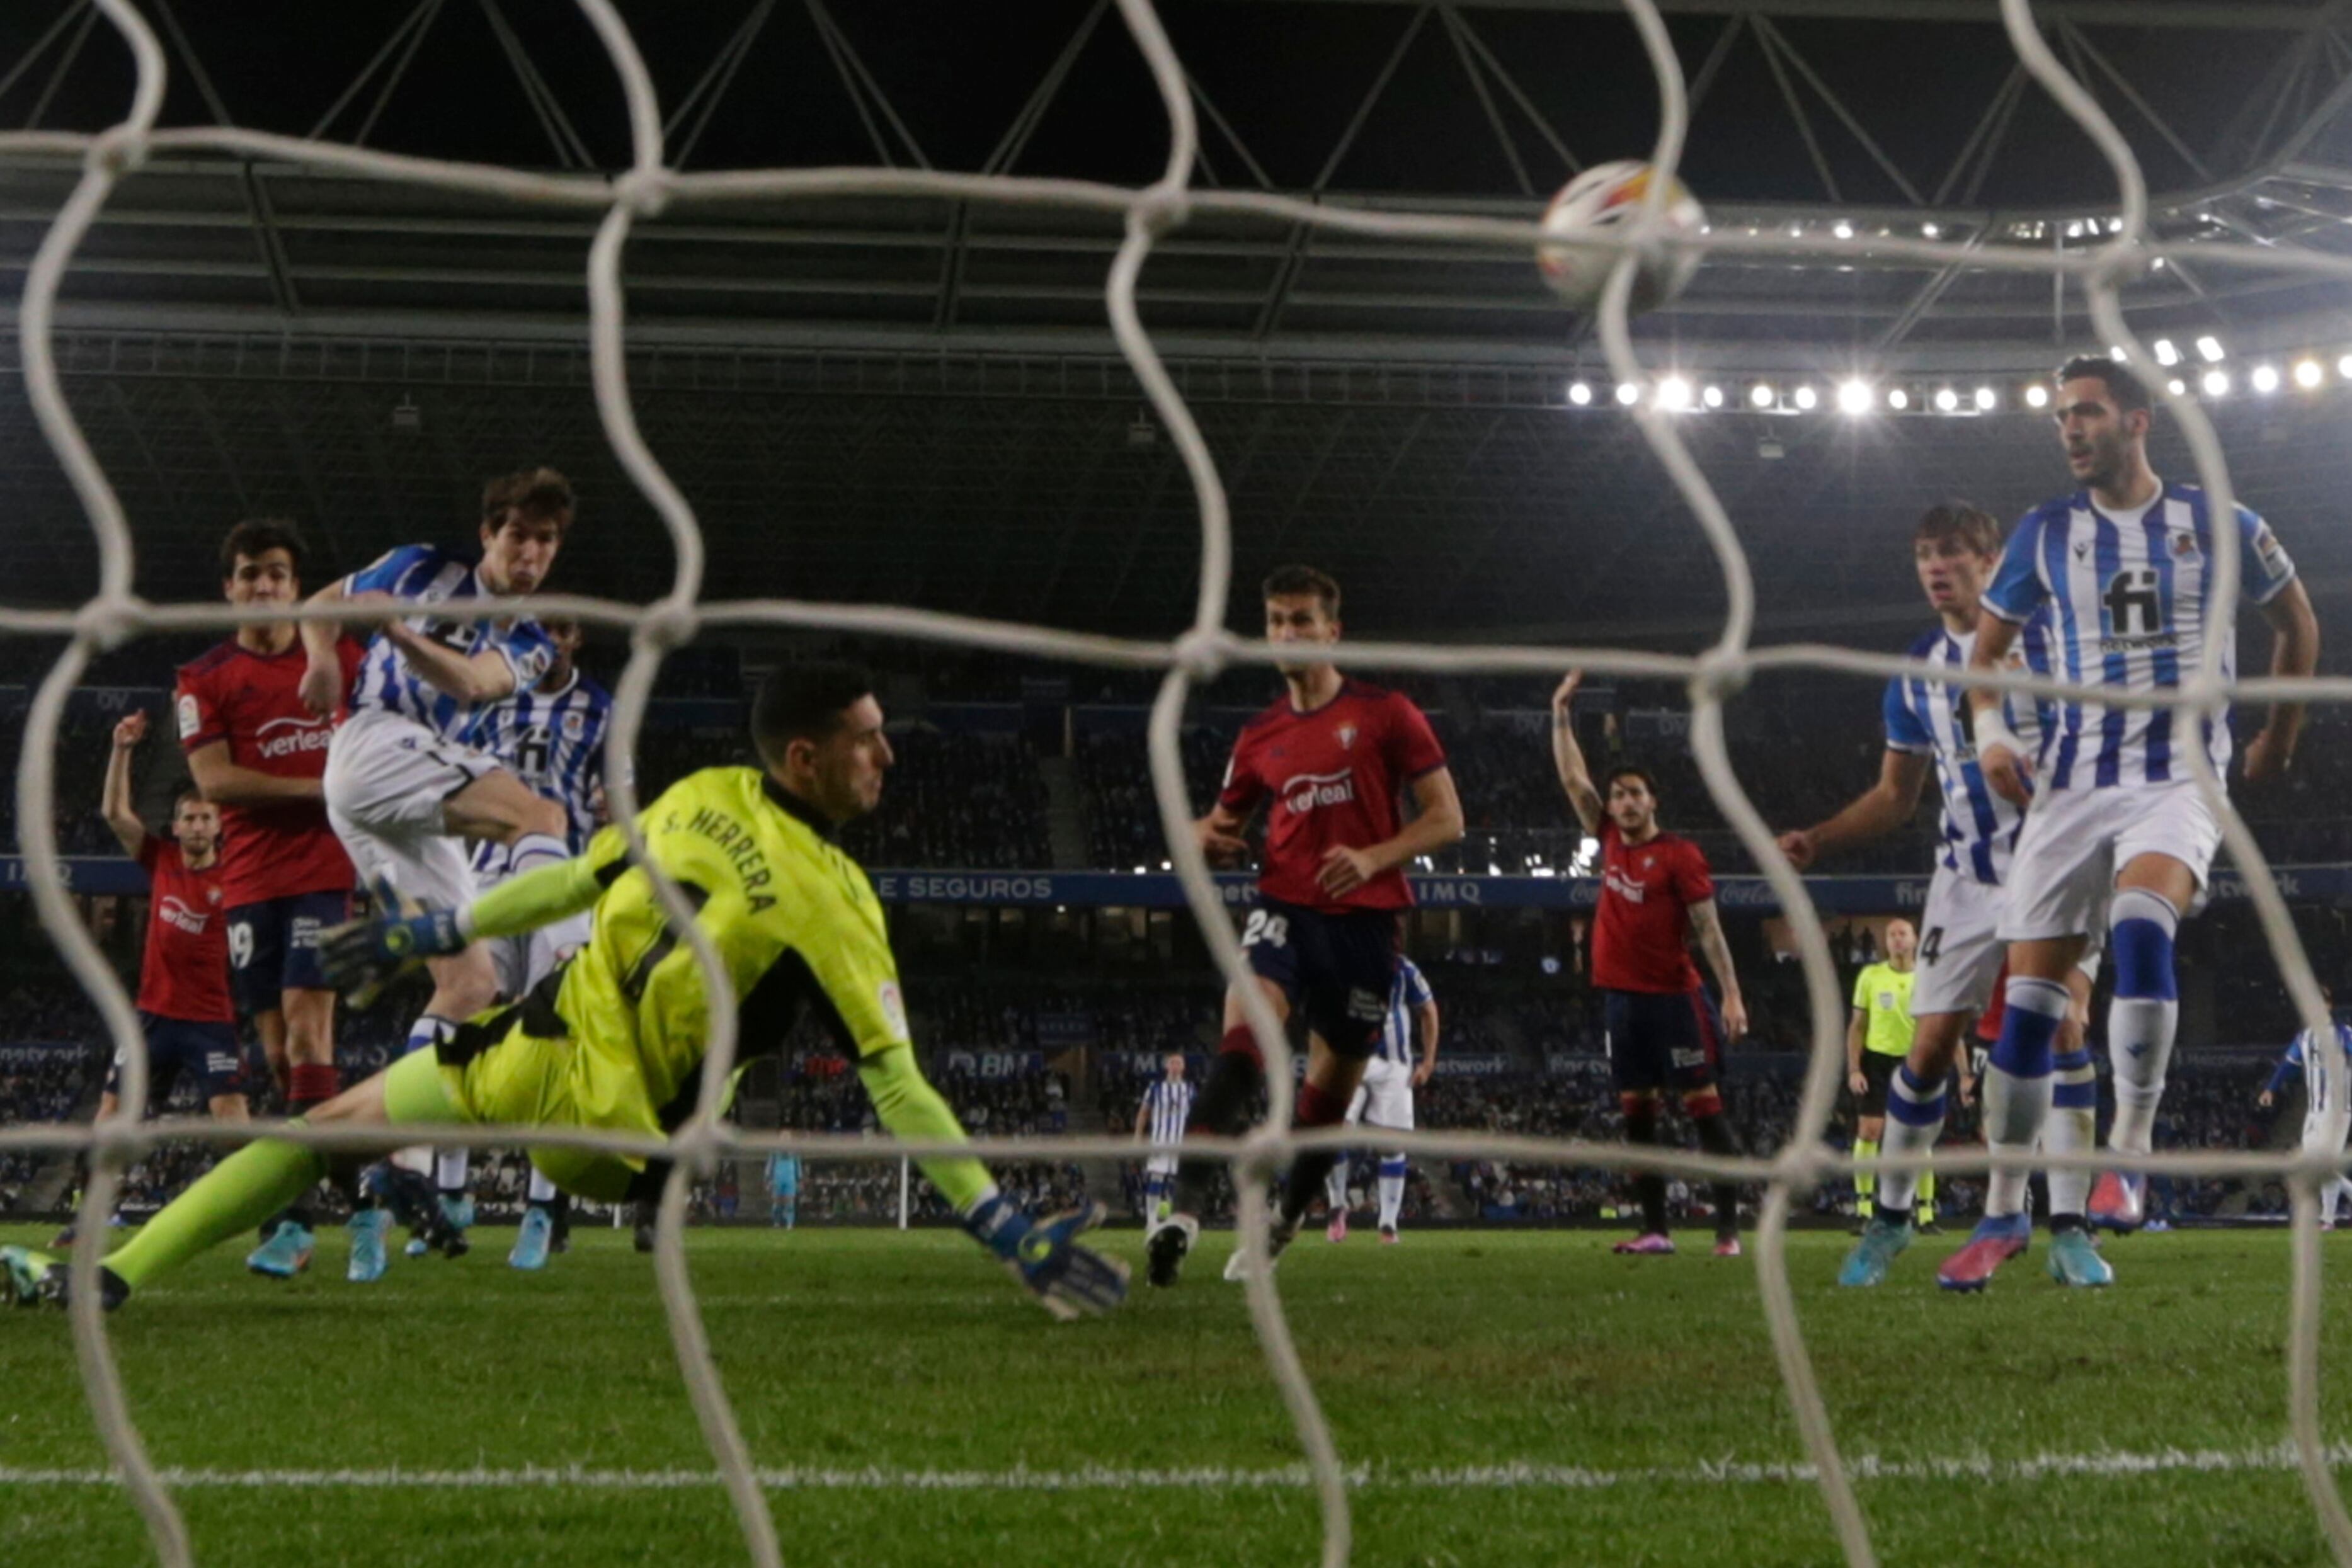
(1391, 1190)
(533, 850)
(1914, 1120)
(541, 1190)
(2017, 1084)
(1335, 1186)
(2072, 1129)
(2144, 1016)
(451, 1167)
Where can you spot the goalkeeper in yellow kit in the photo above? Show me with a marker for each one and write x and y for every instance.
(615, 1038)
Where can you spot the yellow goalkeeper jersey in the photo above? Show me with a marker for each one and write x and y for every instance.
(794, 919)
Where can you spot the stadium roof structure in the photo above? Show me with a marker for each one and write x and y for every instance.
(1900, 116)
(246, 335)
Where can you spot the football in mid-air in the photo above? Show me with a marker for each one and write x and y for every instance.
(1609, 196)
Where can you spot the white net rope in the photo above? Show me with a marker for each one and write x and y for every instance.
(114, 614)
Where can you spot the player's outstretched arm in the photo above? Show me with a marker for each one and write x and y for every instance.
(1427, 1067)
(321, 690)
(114, 799)
(1069, 1281)
(1875, 813)
(1568, 758)
(2295, 651)
(471, 678)
(225, 783)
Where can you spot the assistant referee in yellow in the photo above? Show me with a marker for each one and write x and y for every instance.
(1877, 1039)
(615, 1038)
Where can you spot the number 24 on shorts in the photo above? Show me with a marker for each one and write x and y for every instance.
(1274, 930)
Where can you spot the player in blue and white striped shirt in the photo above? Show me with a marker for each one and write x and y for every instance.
(2119, 836)
(1956, 549)
(551, 737)
(1167, 1108)
(1384, 1098)
(2324, 1124)
(402, 786)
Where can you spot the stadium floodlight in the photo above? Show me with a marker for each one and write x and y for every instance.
(2307, 374)
(1987, 400)
(2037, 396)
(2265, 379)
(1578, 394)
(2344, 367)
(2167, 354)
(2209, 350)
(1760, 394)
(1805, 398)
(1674, 394)
(1854, 397)
(2216, 383)
(1930, 231)
(1947, 399)
(1628, 393)
(2179, 388)
(1897, 399)
(1843, 230)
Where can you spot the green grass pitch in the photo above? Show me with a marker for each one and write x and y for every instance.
(906, 1366)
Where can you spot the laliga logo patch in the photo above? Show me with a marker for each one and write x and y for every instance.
(190, 720)
(894, 1007)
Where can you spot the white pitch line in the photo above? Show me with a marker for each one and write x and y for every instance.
(1091, 1478)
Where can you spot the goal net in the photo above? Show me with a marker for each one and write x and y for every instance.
(647, 189)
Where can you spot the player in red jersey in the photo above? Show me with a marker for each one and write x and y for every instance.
(1662, 1027)
(183, 1001)
(1331, 761)
(258, 754)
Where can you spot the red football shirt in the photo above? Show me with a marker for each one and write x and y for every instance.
(1640, 938)
(184, 974)
(251, 701)
(1335, 777)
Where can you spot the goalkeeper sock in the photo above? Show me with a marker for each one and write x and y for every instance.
(1235, 1079)
(1649, 1186)
(1393, 1169)
(2017, 1084)
(2143, 1015)
(231, 1197)
(1914, 1120)
(2072, 1129)
(1317, 1107)
(1865, 1183)
(452, 1172)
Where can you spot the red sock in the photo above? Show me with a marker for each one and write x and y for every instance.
(1318, 1107)
(310, 1083)
(1242, 1041)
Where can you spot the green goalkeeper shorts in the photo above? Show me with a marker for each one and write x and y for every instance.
(494, 1070)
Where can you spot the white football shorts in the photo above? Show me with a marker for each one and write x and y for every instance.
(1384, 1098)
(386, 778)
(1162, 1164)
(1961, 947)
(2075, 841)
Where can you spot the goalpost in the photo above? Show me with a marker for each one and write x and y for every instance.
(114, 614)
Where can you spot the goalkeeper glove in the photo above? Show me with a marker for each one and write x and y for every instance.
(362, 956)
(1069, 1281)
